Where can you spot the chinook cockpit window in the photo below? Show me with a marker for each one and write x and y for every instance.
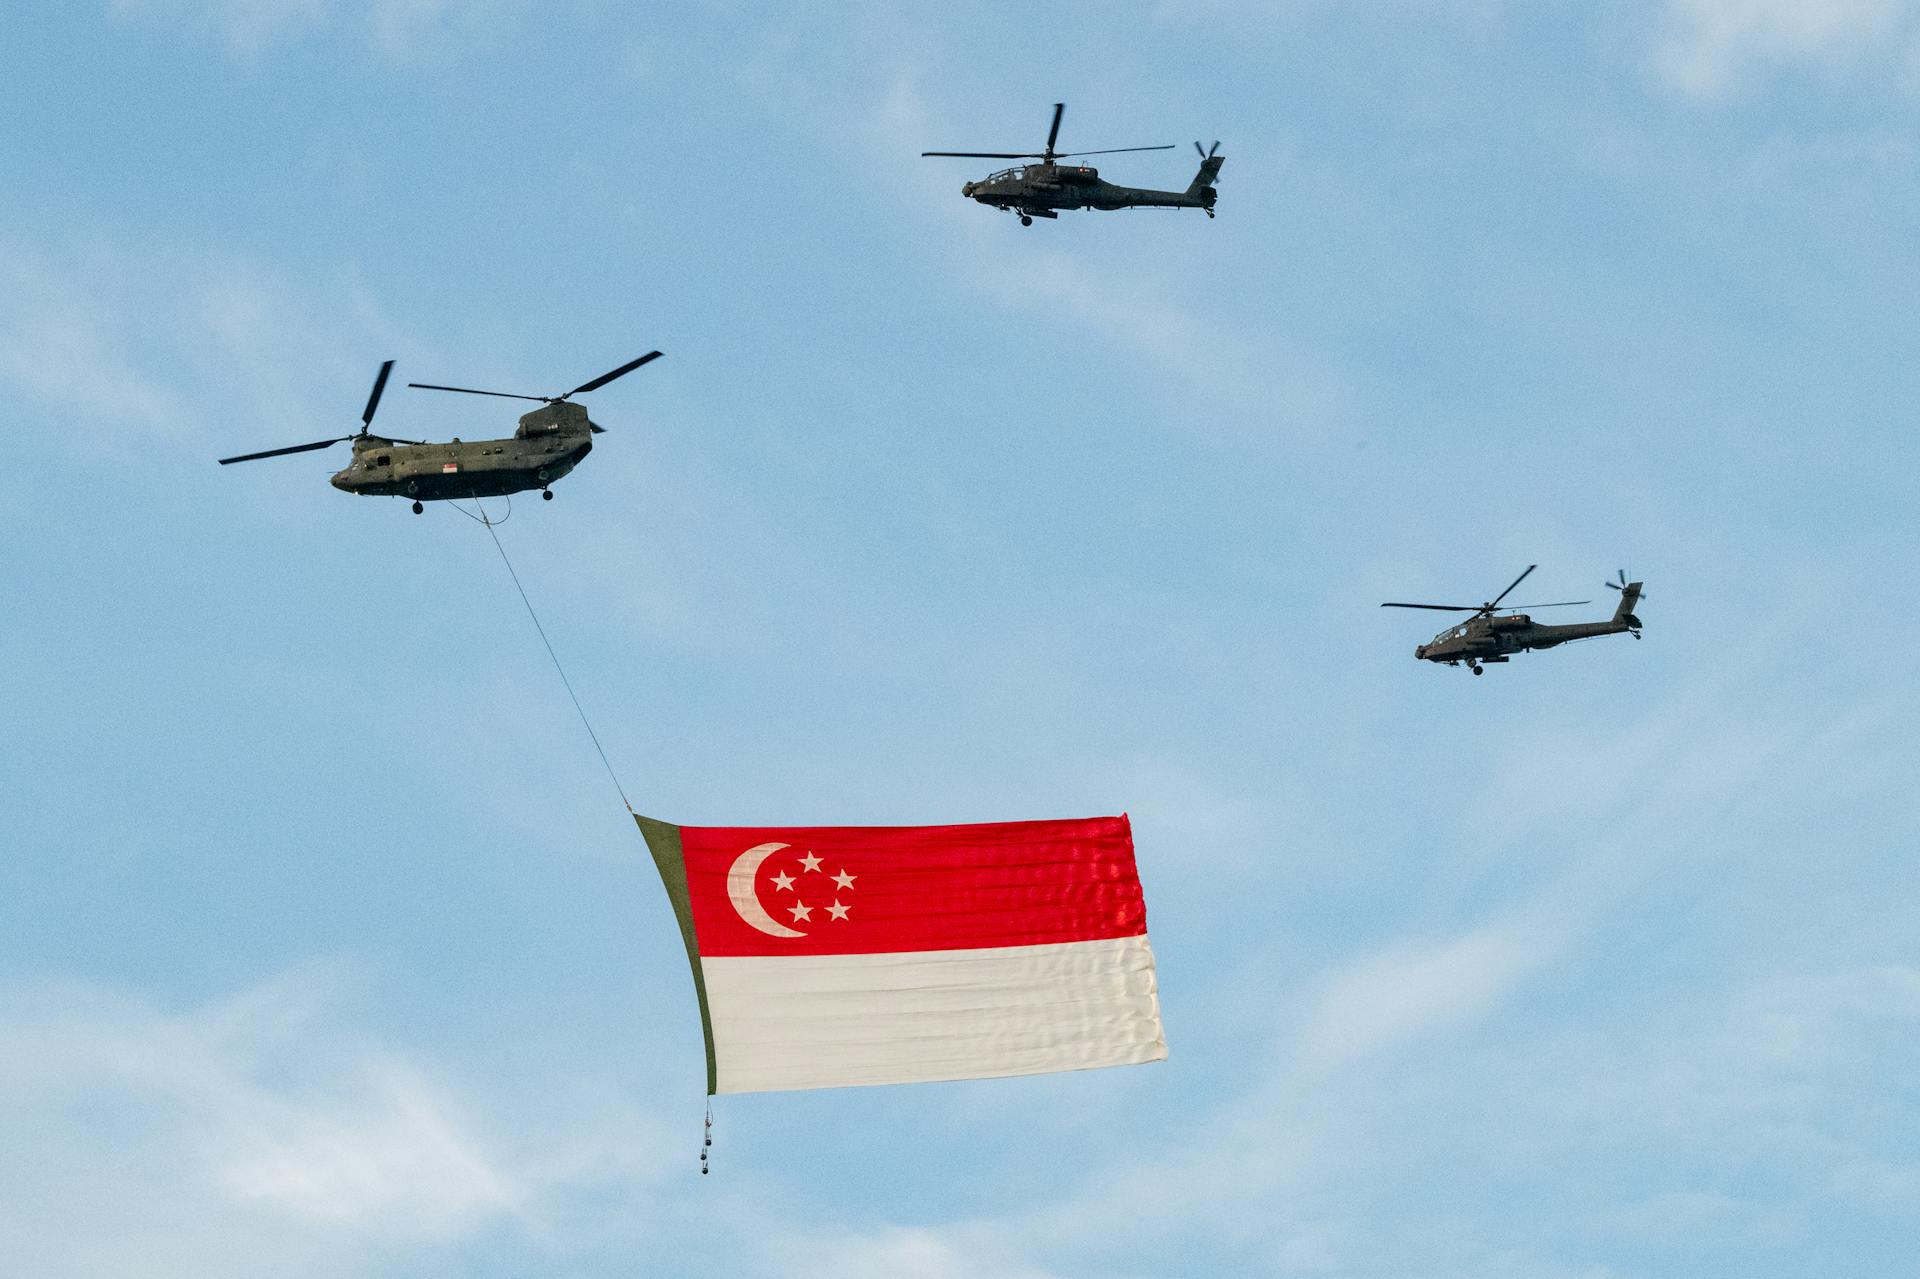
(383, 460)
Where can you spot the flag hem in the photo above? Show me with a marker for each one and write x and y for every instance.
(663, 841)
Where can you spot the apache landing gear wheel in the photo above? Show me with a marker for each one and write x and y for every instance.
(418, 509)
(546, 495)
(1477, 670)
(1025, 220)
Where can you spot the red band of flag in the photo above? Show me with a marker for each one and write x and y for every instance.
(851, 890)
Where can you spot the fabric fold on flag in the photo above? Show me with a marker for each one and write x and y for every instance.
(832, 956)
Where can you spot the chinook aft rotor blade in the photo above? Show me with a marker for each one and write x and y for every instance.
(605, 378)
(296, 448)
(593, 385)
(467, 390)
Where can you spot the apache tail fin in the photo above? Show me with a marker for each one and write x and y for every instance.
(1202, 185)
(1629, 596)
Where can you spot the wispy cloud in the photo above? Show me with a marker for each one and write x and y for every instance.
(1411, 990)
(901, 1250)
(141, 341)
(260, 1128)
(1708, 45)
(403, 29)
(245, 26)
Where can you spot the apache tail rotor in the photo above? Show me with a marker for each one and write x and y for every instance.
(1621, 585)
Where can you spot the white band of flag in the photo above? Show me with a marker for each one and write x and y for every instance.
(823, 1021)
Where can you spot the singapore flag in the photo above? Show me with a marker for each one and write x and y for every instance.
(828, 956)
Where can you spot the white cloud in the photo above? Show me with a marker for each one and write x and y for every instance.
(1709, 44)
(257, 1134)
(1413, 990)
(396, 28)
(902, 1250)
(63, 340)
(246, 26)
(389, 1154)
(137, 342)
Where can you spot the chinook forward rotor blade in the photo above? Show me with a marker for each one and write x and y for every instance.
(605, 378)
(1442, 608)
(379, 387)
(296, 448)
(1494, 603)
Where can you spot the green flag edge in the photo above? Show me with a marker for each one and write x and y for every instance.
(663, 841)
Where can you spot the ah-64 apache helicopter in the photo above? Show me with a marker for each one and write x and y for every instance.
(550, 441)
(1492, 633)
(1039, 190)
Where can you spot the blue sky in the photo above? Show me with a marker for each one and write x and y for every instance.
(325, 946)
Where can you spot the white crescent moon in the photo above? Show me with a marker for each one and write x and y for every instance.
(745, 900)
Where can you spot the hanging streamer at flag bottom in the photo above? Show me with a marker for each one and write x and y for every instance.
(828, 956)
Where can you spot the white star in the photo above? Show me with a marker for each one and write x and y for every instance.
(810, 862)
(783, 881)
(843, 879)
(802, 911)
(837, 910)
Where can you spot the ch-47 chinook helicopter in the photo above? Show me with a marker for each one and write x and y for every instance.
(550, 441)
(1492, 633)
(1040, 190)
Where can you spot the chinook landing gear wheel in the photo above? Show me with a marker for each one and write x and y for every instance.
(1025, 220)
(546, 495)
(418, 509)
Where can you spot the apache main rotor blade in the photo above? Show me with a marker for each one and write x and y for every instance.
(373, 401)
(297, 448)
(1112, 151)
(1514, 608)
(605, 378)
(1516, 581)
(1443, 608)
(1054, 132)
(467, 390)
(990, 155)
